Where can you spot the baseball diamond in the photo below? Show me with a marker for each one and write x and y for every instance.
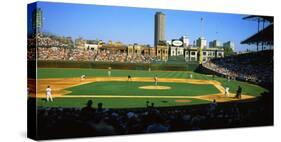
(117, 91)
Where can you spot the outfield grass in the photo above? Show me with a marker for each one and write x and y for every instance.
(65, 73)
(116, 102)
(132, 89)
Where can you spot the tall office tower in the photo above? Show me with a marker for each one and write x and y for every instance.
(159, 28)
(229, 44)
(185, 41)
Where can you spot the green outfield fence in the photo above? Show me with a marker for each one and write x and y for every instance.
(126, 66)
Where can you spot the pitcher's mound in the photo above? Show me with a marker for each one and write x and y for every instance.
(155, 87)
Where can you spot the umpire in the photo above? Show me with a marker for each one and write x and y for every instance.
(238, 92)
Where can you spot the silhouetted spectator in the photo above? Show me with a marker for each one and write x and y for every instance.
(88, 112)
(100, 109)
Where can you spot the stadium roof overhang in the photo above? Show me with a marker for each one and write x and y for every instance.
(259, 18)
(265, 36)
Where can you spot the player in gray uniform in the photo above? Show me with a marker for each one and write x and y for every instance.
(155, 80)
(109, 71)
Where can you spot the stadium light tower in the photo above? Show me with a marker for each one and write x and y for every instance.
(37, 20)
(201, 27)
(200, 56)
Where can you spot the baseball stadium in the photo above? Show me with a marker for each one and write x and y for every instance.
(101, 98)
(81, 88)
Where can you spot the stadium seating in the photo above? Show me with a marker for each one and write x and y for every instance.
(99, 122)
(256, 67)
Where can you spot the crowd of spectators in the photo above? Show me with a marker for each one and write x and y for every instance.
(88, 121)
(139, 58)
(80, 55)
(49, 40)
(107, 56)
(31, 53)
(51, 47)
(254, 67)
(53, 53)
(75, 54)
(54, 41)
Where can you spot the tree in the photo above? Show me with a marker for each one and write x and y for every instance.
(228, 51)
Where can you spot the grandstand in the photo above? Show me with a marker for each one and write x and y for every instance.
(264, 35)
(256, 67)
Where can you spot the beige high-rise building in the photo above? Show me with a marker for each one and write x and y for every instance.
(159, 28)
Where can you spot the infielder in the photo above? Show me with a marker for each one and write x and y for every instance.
(83, 77)
(129, 78)
(226, 91)
(49, 94)
(155, 80)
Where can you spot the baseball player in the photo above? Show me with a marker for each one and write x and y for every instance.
(49, 94)
(109, 71)
(129, 78)
(238, 92)
(228, 78)
(226, 91)
(83, 77)
(155, 80)
(190, 76)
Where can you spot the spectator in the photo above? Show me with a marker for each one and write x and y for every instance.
(88, 112)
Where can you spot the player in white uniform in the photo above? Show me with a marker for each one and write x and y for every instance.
(49, 94)
(228, 78)
(190, 76)
(226, 91)
(83, 77)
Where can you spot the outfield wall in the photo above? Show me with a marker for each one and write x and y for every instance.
(125, 66)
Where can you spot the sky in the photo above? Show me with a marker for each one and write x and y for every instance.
(136, 25)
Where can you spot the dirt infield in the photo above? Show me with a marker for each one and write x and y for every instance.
(155, 87)
(59, 85)
(183, 101)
